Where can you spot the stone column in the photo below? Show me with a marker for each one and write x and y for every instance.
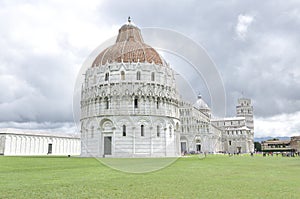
(133, 140)
(151, 144)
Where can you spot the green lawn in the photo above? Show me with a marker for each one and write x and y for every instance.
(216, 176)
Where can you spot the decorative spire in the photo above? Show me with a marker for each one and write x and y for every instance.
(129, 19)
(199, 96)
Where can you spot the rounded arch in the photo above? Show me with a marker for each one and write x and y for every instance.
(197, 139)
(124, 120)
(146, 120)
(106, 125)
(160, 121)
(122, 73)
(91, 123)
(183, 138)
(177, 126)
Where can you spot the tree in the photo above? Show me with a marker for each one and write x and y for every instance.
(257, 146)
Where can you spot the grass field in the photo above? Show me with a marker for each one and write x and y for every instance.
(216, 176)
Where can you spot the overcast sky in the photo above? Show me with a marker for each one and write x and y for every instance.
(254, 44)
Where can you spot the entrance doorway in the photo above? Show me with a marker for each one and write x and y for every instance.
(183, 147)
(49, 149)
(198, 147)
(107, 145)
(239, 149)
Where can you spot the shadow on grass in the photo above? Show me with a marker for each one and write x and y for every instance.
(137, 165)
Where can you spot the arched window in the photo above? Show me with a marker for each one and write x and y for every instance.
(136, 102)
(142, 130)
(158, 131)
(122, 75)
(152, 76)
(138, 75)
(229, 143)
(170, 131)
(106, 76)
(124, 130)
(157, 103)
(106, 103)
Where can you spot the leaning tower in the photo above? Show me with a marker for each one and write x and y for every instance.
(129, 101)
(245, 109)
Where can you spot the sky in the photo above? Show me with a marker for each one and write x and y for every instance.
(254, 44)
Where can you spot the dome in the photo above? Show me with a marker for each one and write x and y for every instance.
(129, 47)
(201, 104)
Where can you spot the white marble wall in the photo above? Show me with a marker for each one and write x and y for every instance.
(157, 100)
(152, 144)
(38, 145)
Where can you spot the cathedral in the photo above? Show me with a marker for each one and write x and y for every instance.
(130, 107)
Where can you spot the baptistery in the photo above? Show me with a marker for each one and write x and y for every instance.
(129, 101)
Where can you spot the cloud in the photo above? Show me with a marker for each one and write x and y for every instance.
(294, 15)
(42, 48)
(241, 29)
(61, 127)
(268, 69)
(278, 125)
(43, 45)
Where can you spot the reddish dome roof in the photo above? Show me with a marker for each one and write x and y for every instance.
(129, 47)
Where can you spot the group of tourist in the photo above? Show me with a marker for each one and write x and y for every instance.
(283, 154)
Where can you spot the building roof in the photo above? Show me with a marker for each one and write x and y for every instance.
(295, 137)
(129, 47)
(201, 104)
(276, 142)
(238, 128)
(227, 119)
(37, 133)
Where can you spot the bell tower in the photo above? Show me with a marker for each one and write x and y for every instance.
(245, 109)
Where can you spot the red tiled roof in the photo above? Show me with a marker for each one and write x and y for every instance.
(129, 47)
